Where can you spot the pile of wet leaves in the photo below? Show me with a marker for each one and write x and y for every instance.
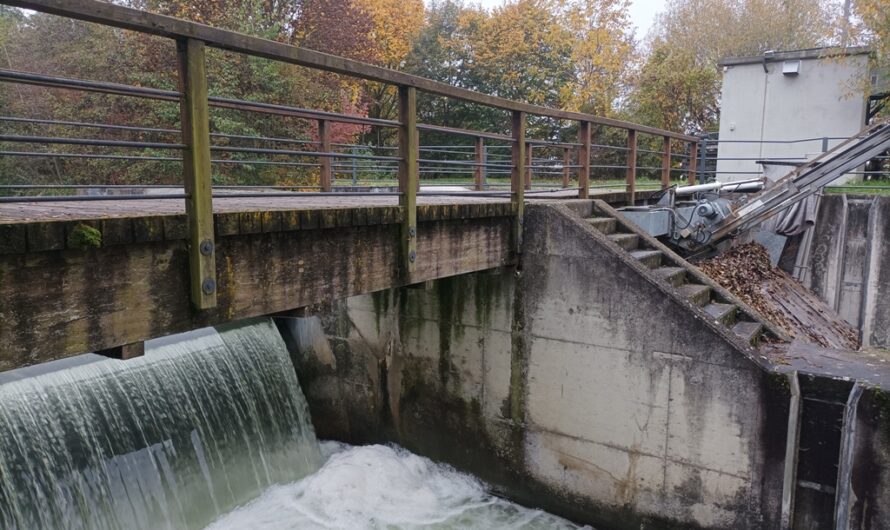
(746, 272)
(742, 271)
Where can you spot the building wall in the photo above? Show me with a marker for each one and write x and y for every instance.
(824, 100)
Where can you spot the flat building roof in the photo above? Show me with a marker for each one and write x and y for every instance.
(810, 53)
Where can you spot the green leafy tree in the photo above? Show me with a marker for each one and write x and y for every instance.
(679, 84)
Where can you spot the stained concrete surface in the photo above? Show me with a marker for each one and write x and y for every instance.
(577, 383)
(848, 263)
(573, 383)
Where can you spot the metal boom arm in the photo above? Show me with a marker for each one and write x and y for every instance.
(806, 180)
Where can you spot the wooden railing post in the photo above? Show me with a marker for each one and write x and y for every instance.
(584, 160)
(409, 177)
(195, 120)
(666, 163)
(479, 171)
(325, 162)
(631, 187)
(693, 162)
(566, 161)
(528, 165)
(517, 189)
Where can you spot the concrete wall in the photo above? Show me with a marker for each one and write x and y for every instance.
(848, 262)
(824, 100)
(871, 462)
(574, 383)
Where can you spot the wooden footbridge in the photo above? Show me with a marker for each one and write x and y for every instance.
(106, 272)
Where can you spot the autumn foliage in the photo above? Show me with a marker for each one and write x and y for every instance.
(581, 55)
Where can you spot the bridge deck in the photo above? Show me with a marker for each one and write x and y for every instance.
(67, 290)
(30, 212)
(43, 226)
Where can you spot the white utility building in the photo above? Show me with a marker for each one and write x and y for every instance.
(789, 105)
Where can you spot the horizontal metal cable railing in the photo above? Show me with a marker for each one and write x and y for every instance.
(738, 158)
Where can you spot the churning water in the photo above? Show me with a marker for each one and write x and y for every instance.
(379, 487)
(212, 429)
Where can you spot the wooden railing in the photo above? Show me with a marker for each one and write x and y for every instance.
(193, 38)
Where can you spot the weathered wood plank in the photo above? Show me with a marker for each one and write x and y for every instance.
(517, 188)
(325, 162)
(250, 223)
(631, 178)
(13, 239)
(175, 227)
(666, 163)
(693, 162)
(409, 176)
(46, 236)
(479, 158)
(116, 231)
(196, 171)
(226, 224)
(584, 159)
(528, 165)
(77, 301)
(566, 162)
(148, 229)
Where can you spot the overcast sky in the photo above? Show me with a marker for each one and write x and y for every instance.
(642, 12)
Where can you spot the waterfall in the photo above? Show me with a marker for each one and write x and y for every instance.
(199, 425)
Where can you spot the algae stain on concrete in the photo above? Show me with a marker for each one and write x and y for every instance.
(381, 301)
(485, 289)
(518, 360)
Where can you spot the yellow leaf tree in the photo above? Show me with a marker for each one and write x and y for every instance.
(603, 54)
(394, 25)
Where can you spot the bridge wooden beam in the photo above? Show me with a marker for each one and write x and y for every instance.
(631, 184)
(693, 162)
(197, 172)
(326, 172)
(517, 176)
(666, 163)
(409, 176)
(566, 162)
(479, 171)
(528, 165)
(584, 159)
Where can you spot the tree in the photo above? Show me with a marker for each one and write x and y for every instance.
(674, 92)
(394, 25)
(714, 29)
(679, 85)
(875, 27)
(603, 54)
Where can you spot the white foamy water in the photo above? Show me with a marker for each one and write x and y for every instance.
(382, 487)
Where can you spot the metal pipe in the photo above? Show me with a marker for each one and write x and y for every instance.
(711, 186)
(88, 141)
